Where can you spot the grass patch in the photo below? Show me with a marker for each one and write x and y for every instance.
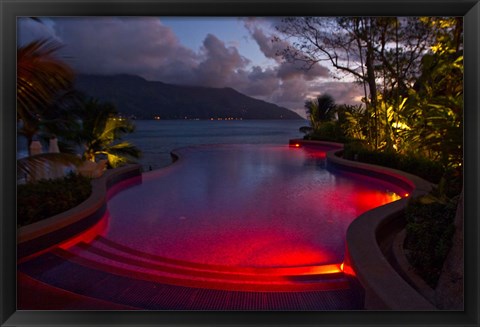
(46, 198)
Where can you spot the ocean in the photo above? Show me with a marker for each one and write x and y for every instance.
(157, 138)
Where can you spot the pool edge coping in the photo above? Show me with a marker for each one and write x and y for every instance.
(384, 288)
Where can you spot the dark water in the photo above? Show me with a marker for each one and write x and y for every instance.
(157, 139)
(244, 205)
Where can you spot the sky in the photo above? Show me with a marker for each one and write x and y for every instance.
(203, 51)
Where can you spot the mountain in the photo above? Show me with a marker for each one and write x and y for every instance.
(144, 99)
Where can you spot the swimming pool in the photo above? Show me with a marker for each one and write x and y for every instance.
(244, 206)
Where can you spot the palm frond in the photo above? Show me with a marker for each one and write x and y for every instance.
(40, 75)
(102, 132)
(116, 128)
(125, 148)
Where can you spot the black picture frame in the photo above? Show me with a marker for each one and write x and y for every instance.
(10, 9)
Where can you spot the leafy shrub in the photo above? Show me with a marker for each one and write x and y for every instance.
(429, 234)
(305, 129)
(46, 198)
(427, 169)
(355, 148)
(327, 131)
(452, 182)
(423, 167)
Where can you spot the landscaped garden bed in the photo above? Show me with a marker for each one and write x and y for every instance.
(46, 198)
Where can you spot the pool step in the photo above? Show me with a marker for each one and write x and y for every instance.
(332, 270)
(97, 283)
(164, 270)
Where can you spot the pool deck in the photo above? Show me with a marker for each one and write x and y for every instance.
(63, 274)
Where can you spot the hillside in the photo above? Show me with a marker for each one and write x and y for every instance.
(144, 99)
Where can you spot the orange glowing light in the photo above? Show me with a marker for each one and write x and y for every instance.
(406, 194)
(297, 145)
(347, 269)
(326, 269)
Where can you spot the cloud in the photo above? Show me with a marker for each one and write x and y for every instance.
(342, 92)
(288, 70)
(260, 82)
(220, 63)
(272, 48)
(144, 46)
(122, 45)
(267, 45)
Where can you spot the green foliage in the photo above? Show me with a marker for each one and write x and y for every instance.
(355, 148)
(436, 100)
(420, 166)
(429, 236)
(320, 110)
(328, 131)
(353, 121)
(41, 75)
(101, 134)
(45, 98)
(417, 109)
(46, 198)
(305, 129)
(438, 117)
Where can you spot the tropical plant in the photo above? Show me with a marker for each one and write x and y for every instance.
(101, 132)
(45, 99)
(319, 110)
(41, 78)
(436, 100)
(353, 121)
(436, 105)
(430, 228)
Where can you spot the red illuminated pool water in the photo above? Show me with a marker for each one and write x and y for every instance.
(245, 206)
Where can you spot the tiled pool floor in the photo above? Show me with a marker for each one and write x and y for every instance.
(244, 205)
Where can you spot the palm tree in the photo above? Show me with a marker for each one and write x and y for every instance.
(41, 77)
(101, 134)
(44, 83)
(320, 110)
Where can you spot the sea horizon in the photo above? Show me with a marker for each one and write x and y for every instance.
(158, 138)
